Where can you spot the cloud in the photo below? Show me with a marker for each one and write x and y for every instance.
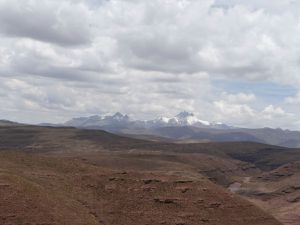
(239, 97)
(276, 6)
(245, 41)
(237, 113)
(274, 111)
(55, 22)
(293, 99)
(139, 96)
(62, 58)
(243, 115)
(239, 42)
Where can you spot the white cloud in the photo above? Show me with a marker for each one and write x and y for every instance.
(244, 115)
(242, 41)
(293, 99)
(237, 114)
(58, 22)
(274, 111)
(60, 58)
(239, 97)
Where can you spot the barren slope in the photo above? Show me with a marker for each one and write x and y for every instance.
(278, 192)
(71, 176)
(62, 189)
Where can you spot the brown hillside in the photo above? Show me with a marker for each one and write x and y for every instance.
(69, 176)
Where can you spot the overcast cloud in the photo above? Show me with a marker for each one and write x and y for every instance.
(63, 58)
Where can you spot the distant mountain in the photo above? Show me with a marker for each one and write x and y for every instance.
(8, 123)
(185, 126)
(120, 120)
(117, 119)
(184, 119)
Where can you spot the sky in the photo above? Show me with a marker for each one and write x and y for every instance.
(233, 61)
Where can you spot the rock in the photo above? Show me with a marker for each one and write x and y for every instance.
(149, 181)
(215, 205)
(183, 181)
(165, 201)
(4, 185)
(183, 189)
(200, 200)
(294, 199)
(116, 179)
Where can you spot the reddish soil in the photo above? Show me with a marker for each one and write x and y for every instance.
(65, 176)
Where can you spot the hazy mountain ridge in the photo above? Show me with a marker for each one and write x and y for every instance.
(8, 123)
(182, 119)
(186, 126)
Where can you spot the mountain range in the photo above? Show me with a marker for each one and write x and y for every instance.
(119, 120)
(185, 127)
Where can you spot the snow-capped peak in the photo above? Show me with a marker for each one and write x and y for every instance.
(119, 120)
(189, 119)
(182, 119)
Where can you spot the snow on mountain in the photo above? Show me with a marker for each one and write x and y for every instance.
(119, 120)
(189, 119)
(182, 119)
